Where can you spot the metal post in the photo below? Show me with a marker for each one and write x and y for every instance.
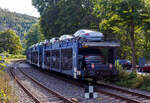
(49, 59)
(75, 59)
(38, 57)
(90, 92)
(60, 61)
(43, 54)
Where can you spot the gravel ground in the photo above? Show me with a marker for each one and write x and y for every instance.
(132, 90)
(21, 96)
(66, 89)
(42, 94)
(123, 94)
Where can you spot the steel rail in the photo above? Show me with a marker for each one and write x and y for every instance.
(129, 100)
(84, 83)
(118, 96)
(49, 90)
(124, 90)
(23, 87)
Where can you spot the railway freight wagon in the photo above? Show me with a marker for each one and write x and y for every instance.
(68, 56)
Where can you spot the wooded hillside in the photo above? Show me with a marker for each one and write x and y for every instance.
(20, 23)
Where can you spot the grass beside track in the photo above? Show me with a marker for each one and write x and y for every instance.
(7, 94)
(6, 91)
(131, 79)
(12, 58)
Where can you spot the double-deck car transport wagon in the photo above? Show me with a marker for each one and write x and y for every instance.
(77, 57)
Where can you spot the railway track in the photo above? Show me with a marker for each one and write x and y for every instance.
(112, 91)
(51, 96)
(124, 95)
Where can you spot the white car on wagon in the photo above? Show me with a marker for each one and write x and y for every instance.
(64, 37)
(89, 35)
(53, 40)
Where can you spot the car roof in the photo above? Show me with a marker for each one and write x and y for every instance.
(85, 30)
(66, 35)
(54, 38)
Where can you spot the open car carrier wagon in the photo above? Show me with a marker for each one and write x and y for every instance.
(68, 56)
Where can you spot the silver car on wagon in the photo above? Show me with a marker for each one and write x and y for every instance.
(89, 35)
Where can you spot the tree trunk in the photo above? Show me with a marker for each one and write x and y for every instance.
(133, 45)
(133, 40)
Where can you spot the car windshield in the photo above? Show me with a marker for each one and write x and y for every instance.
(94, 59)
(92, 55)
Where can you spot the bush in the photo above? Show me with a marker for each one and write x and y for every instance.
(133, 80)
(123, 75)
(139, 82)
(132, 75)
(16, 57)
(127, 79)
(5, 89)
(13, 56)
(146, 83)
(2, 65)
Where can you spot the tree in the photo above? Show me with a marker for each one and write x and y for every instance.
(10, 42)
(15, 21)
(123, 15)
(65, 16)
(34, 35)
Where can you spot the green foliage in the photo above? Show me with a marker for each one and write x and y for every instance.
(65, 16)
(10, 42)
(3, 96)
(34, 35)
(13, 56)
(139, 82)
(125, 20)
(119, 66)
(20, 23)
(146, 84)
(16, 57)
(112, 17)
(6, 94)
(133, 74)
(127, 79)
(132, 80)
(2, 65)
